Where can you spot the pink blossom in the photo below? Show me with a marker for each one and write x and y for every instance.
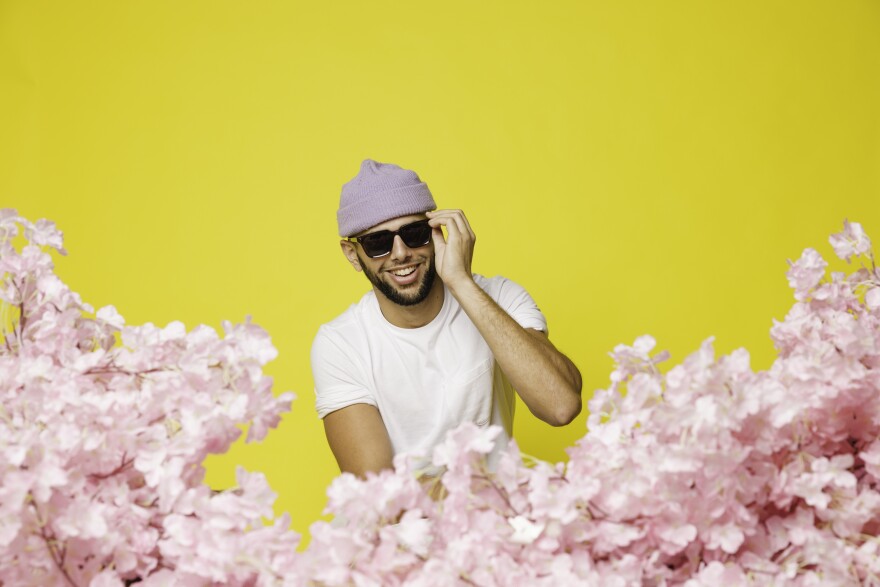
(805, 273)
(110, 316)
(101, 445)
(851, 242)
(871, 458)
(44, 232)
(525, 531)
(106, 578)
(717, 573)
(708, 474)
(82, 518)
(872, 298)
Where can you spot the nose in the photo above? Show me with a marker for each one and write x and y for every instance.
(399, 250)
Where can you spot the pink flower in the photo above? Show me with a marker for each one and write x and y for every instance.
(851, 242)
(728, 537)
(708, 474)
(676, 538)
(871, 457)
(82, 519)
(525, 531)
(44, 232)
(872, 298)
(414, 532)
(251, 340)
(716, 573)
(110, 316)
(106, 578)
(462, 443)
(806, 273)
(824, 473)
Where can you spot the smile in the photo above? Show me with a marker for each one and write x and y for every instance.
(405, 275)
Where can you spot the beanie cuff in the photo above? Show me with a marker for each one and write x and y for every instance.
(362, 214)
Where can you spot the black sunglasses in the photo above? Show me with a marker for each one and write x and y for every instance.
(379, 243)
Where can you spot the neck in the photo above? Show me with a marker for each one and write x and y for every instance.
(414, 316)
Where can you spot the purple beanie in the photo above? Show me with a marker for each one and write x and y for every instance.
(380, 192)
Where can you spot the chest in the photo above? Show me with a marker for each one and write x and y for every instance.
(421, 365)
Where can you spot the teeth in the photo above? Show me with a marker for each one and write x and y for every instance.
(404, 272)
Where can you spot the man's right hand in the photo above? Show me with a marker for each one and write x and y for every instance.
(453, 255)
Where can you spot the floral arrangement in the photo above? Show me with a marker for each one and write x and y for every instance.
(709, 474)
(101, 444)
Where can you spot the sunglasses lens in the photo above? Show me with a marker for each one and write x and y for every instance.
(378, 243)
(416, 235)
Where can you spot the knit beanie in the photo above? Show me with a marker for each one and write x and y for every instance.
(380, 192)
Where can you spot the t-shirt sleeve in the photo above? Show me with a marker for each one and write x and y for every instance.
(338, 382)
(517, 302)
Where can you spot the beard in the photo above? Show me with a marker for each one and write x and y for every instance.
(404, 298)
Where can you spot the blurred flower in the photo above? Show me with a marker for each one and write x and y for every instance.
(101, 445)
(852, 242)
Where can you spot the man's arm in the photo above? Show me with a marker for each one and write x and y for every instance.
(358, 439)
(545, 379)
(354, 428)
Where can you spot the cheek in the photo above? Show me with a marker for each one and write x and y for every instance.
(371, 268)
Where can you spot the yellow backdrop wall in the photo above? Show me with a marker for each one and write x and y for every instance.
(640, 167)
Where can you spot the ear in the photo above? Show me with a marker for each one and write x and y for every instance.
(350, 252)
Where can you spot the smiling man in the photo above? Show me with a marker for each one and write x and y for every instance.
(432, 345)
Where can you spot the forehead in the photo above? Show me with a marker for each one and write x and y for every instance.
(395, 223)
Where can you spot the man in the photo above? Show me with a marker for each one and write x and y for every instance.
(432, 345)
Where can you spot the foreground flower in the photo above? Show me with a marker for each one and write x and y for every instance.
(101, 445)
(710, 474)
(852, 242)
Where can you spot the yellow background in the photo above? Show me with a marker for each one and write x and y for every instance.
(640, 167)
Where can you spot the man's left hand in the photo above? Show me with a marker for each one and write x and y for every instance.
(454, 254)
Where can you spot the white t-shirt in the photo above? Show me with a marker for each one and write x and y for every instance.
(424, 381)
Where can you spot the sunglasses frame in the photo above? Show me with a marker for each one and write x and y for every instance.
(393, 233)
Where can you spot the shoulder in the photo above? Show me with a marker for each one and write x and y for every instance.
(348, 325)
(513, 299)
(498, 285)
(352, 316)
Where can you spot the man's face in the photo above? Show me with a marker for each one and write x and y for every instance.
(405, 275)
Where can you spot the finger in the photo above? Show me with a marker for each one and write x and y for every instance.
(436, 224)
(457, 216)
(453, 232)
(443, 213)
(462, 225)
(467, 224)
(439, 221)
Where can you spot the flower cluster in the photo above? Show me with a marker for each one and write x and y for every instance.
(103, 429)
(710, 474)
